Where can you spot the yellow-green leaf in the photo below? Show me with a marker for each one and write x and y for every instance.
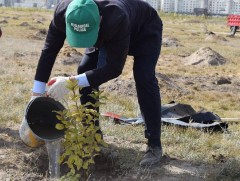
(70, 161)
(78, 163)
(98, 137)
(59, 126)
(59, 117)
(97, 148)
(91, 161)
(85, 165)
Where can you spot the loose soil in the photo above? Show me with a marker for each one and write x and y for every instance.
(69, 56)
(39, 34)
(20, 162)
(169, 41)
(205, 56)
(214, 38)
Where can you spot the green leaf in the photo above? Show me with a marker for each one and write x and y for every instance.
(73, 171)
(91, 161)
(85, 165)
(104, 144)
(68, 152)
(60, 118)
(59, 126)
(70, 161)
(78, 163)
(97, 149)
(60, 160)
(98, 137)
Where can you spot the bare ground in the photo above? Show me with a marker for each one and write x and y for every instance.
(20, 162)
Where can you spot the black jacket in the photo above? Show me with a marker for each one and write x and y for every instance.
(128, 27)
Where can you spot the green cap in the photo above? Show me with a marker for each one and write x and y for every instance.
(82, 23)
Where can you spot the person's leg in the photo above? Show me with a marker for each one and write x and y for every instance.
(102, 57)
(149, 100)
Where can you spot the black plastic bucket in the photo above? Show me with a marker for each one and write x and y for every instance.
(40, 121)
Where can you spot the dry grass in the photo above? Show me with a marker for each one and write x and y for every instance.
(198, 155)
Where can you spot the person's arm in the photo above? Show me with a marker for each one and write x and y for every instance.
(116, 56)
(117, 38)
(54, 42)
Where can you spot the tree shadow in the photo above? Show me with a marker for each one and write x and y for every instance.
(123, 164)
(20, 157)
(10, 139)
(120, 164)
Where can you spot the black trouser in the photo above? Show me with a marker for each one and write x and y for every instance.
(148, 95)
(146, 85)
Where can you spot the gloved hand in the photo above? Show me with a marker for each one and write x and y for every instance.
(57, 87)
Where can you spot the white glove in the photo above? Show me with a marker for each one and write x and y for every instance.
(57, 87)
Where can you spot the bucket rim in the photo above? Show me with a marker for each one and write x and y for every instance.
(49, 99)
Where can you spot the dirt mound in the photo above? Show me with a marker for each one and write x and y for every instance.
(69, 56)
(39, 34)
(127, 86)
(39, 19)
(208, 83)
(3, 21)
(24, 24)
(205, 56)
(223, 80)
(18, 54)
(214, 38)
(15, 17)
(121, 86)
(38, 22)
(170, 42)
(194, 34)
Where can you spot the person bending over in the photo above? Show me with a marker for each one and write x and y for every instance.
(109, 30)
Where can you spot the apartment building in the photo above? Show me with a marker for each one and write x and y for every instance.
(204, 4)
(235, 7)
(179, 5)
(1, 2)
(29, 3)
(186, 5)
(213, 6)
(182, 6)
(167, 5)
(219, 6)
(224, 6)
(7, 2)
(154, 3)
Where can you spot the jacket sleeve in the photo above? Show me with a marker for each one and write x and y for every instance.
(54, 42)
(117, 39)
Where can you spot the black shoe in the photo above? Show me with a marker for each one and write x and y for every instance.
(152, 156)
